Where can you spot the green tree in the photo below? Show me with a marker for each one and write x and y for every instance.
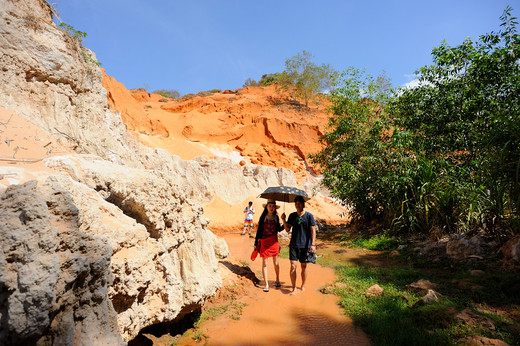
(271, 78)
(304, 79)
(250, 82)
(440, 157)
(354, 159)
(173, 94)
(467, 112)
(330, 78)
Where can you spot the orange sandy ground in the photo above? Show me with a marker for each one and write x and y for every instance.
(275, 317)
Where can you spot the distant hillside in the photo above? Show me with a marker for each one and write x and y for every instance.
(260, 125)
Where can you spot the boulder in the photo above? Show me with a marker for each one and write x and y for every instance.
(421, 286)
(429, 298)
(374, 291)
(55, 278)
(462, 247)
(511, 250)
(468, 317)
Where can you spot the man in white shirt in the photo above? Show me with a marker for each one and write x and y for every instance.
(248, 223)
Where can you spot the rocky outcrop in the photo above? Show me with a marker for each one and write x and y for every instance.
(132, 113)
(259, 123)
(49, 79)
(98, 259)
(167, 268)
(55, 279)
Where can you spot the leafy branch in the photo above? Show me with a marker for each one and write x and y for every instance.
(78, 37)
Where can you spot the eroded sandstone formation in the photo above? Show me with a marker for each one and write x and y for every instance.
(48, 78)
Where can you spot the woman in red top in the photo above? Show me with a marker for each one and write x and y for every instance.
(266, 240)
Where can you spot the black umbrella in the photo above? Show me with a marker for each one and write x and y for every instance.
(283, 193)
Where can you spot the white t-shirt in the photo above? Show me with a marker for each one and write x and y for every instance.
(249, 212)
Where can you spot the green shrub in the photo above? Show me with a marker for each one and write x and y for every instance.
(77, 37)
(377, 242)
(438, 158)
(173, 94)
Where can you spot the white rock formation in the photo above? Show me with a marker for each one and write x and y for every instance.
(82, 260)
(47, 79)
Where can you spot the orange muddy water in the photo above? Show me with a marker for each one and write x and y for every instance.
(277, 318)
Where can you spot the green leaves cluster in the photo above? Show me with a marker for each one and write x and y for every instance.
(304, 79)
(78, 36)
(443, 156)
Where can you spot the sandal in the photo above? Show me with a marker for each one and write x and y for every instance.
(277, 284)
(266, 289)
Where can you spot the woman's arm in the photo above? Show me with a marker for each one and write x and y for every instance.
(259, 231)
(279, 226)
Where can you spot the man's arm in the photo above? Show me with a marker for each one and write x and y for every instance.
(286, 226)
(313, 239)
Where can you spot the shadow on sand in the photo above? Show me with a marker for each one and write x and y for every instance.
(243, 271)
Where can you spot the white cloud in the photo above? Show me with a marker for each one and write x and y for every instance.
(413, 84)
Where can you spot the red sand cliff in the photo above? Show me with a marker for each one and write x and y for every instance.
(262, 124)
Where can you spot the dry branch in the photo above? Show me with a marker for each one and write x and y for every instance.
(22, 160)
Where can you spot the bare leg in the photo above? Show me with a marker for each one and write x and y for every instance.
(276, 268)
(293, 276)
(304, 275)
(264, 272)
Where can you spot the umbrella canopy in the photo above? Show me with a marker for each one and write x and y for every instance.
(283, 193)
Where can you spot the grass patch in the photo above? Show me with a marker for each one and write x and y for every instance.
(284, 251)
(392, 318)
(377, 242)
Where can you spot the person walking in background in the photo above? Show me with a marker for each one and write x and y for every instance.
(302, 246)
(248, 223)
(266, 240)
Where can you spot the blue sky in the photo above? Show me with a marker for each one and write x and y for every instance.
(197, 45)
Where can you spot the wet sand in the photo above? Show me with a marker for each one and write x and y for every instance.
(277, 318)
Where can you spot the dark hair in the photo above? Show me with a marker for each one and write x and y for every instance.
(250, 202)
(265, 212)
(300, 199)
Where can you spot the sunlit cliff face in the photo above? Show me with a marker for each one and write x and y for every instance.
(257, 125)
